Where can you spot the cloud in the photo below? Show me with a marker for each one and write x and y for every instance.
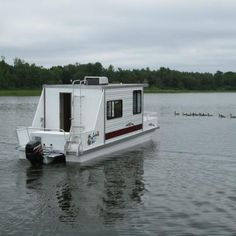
(193, 35)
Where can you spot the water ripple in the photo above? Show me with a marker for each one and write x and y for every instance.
(182, 183)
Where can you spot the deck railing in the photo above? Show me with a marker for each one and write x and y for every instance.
(23, 133)
(149, 115)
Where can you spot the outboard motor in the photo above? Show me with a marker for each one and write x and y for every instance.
(34, 152)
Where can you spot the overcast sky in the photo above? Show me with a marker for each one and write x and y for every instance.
(187, 35)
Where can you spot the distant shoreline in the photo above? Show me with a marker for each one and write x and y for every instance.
(20, 92)
(37, 92)
(158, 90)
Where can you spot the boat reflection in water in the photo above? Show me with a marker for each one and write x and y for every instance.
(33, 175)
(100, 192)
(93, 195)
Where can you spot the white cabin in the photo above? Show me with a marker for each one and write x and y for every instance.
(79, 118)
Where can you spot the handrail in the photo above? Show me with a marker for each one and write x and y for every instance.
(40, 128)
(73, 83)
(73, 109)
(150, 113)
(150, 116)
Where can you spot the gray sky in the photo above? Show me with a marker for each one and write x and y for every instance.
(187, 35)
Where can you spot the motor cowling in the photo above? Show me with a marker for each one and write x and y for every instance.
(34, 152)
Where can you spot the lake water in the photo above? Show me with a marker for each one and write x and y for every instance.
(182, 183)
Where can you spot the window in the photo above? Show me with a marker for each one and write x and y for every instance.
(114, 109)
(137, 102)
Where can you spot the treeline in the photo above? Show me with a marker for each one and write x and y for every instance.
(26, 76)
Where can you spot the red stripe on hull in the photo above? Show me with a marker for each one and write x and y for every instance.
(119, 132)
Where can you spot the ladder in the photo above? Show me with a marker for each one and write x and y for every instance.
(75, 138)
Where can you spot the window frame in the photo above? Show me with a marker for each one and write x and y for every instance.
(111, 109)
(137, 104)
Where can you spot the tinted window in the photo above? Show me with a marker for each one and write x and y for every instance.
(137, 101)
(114, 109)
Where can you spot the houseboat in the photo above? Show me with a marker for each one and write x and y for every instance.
(84, 120)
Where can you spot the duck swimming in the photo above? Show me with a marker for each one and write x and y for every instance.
(221, 116)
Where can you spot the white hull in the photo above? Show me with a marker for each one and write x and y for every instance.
(124, 144)
(107, 149)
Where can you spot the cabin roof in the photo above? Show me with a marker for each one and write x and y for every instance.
(108, 86)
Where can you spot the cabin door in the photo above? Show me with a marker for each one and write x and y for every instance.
(65, 111)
